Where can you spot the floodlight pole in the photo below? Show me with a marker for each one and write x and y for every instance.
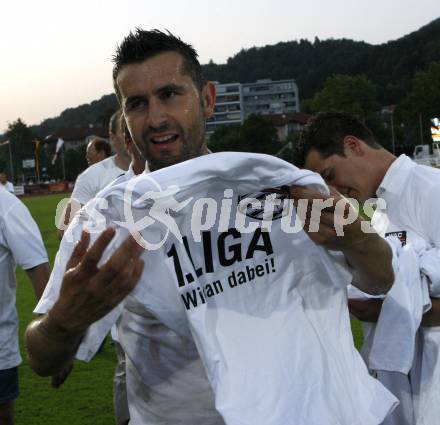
(10, 161)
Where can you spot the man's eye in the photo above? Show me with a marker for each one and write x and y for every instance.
(169, 94)
(137, 104)
(328, 177)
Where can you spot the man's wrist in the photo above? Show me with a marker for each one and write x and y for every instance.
(366, 243)
(55, 327)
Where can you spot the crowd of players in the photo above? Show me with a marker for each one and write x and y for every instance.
(165, 102)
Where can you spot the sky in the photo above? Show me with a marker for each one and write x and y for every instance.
(57, 54)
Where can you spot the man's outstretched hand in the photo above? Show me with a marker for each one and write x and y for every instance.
(89, 292)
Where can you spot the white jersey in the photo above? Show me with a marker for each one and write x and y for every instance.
(92, 342)
(412, 195)
(9, 187)
(94, 179)
(391, 345)
(20, 243)
(229, 318)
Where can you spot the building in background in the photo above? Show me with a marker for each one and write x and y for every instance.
(74, 137)
(236, 101)
(270, 97)
(288, 123)
(228, 106)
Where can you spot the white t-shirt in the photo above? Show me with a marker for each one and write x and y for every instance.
(9, 187)
(95, 178)
(92, 342)
(20, 243)
(276, 349)
(411, 192)
(412, 195)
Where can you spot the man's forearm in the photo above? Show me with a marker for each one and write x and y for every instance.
(371, 259)
(365, 310)
(39, 276)
(432, 317)
(50, 347)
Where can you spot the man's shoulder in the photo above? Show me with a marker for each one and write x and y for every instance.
(7, 200)
(97, 169)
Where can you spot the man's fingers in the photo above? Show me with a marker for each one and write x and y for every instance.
(302, 192)
(126, 253)
(60, 378)
(94, 254)
(125, 281)
(79, 250)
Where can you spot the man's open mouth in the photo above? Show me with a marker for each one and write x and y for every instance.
(164, 139)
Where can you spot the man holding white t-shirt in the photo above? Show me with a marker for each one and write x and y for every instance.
(345, 152)
(166, 103)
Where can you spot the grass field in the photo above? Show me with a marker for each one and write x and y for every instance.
(86, 397)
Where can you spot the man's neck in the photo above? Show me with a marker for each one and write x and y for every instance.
(384, 160)
(122, 161)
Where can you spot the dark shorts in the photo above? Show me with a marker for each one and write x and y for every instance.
(8, 384)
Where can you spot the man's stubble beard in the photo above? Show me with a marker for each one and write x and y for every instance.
(189, 149)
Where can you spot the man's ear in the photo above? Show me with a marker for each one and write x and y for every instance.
(208, 98)
(354, 146)
(128, 144)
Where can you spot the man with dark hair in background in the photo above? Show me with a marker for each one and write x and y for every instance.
(166, 103)
(347, 155)
(97, 150)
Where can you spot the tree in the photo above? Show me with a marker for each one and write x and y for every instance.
(256, 135)
(356, 95)
(422, 103)
(353, 94)
(20, 137)
(75, 160)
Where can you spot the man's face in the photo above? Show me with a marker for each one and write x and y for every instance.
(345, 173)
(164, 110)
(92, 155)
(3, 178)
(117, 140)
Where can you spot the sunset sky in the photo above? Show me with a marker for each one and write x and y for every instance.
(56, 55)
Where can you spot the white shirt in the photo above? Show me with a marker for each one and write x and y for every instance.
(412, 195)
(9, 187)
(95, 178)
(99, 330)
(303, 366)
(20, 243)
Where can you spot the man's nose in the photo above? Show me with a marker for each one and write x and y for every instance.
(157, 115)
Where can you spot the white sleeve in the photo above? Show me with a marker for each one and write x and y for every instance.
(97, 331)
(52, 290)
(23, 237)
(429, 210)
(85, 188)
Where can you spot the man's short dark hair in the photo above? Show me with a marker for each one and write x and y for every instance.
(142, 45)
(102, 146)
(115, 122)
(325, 133)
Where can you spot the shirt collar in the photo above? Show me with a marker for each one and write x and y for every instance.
(394, 179)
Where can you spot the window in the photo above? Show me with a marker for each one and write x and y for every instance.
(232, 89)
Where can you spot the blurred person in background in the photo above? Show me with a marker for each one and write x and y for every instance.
(97, 150)
(98, 175)
(6, 184)
(20, 243)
